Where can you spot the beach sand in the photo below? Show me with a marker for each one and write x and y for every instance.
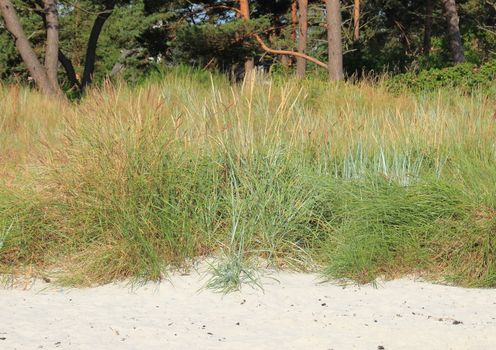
(294, 312)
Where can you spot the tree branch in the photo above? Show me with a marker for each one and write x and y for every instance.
(89, 62)
(23, 45)
(69, 69)
(287, 52)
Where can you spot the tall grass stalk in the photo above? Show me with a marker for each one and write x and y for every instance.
(344, 179)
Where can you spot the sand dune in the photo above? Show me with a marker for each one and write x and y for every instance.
(294, 313)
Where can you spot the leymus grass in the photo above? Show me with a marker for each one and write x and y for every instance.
(343, 179)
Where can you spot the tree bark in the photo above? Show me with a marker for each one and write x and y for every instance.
(426, 47)
(244, 11)
(63, 59)
(29, 57)
(69, 70)
(453, 20)
(335, 45)
(52, 42)
(294, 19)
(287, 60)
(301, 63)
(89, 63)
(356, 19)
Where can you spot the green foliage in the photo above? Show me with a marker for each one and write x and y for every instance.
(465, 77)
(208, 33)
(226, 45)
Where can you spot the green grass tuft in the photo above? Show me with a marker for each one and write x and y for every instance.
(344, 179)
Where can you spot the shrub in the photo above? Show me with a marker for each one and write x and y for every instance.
(466, 77)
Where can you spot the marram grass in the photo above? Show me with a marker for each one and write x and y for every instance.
(343, 179)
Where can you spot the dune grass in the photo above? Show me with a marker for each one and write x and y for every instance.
(343, 179)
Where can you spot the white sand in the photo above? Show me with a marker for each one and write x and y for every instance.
(296, 313)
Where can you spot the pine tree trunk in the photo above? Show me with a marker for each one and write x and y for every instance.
(426, 47)
(294, 23)
(37, 71)
(294, 19)
(335, 45)
(453, 20)
(301, 63)
(52, 42)
(284, 59)
(356, 20)
(244, 9)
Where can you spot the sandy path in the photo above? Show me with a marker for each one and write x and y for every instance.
(296, 313)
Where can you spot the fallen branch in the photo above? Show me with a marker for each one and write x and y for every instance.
(287, 52)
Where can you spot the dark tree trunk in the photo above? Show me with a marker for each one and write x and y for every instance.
(301, 63)
(335, 45)
(69, 70)
(453, 20)
(89, 63)
(426, 47)
(29, 57)
(284, 59)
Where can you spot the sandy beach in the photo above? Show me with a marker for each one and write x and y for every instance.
(294, 312)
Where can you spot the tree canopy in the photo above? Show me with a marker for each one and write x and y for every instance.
(105, 38)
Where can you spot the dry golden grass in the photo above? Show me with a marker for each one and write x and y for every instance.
(350, 178)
